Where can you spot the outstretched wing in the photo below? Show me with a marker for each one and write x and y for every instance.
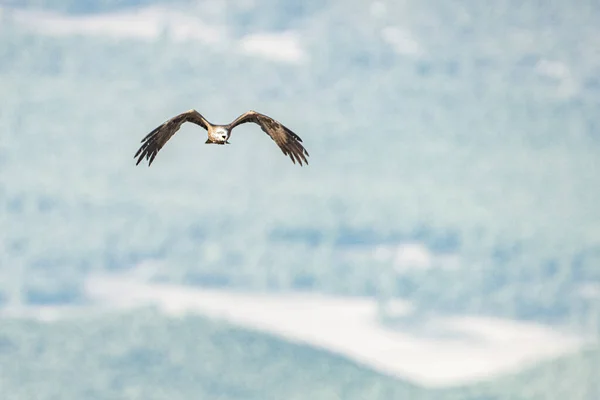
(288, 141)
(156, 139)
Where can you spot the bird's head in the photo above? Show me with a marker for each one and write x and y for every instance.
(220, 135)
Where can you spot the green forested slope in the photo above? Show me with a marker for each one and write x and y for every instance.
(569, 377)
(147, 356)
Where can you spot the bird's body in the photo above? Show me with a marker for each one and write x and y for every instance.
(218, 134)
(288, 141)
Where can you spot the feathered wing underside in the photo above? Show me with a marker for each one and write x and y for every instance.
(288, 141)
(155, 140)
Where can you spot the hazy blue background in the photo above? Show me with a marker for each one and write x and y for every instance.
(471, 128)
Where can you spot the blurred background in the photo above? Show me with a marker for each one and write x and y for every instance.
(443, 243)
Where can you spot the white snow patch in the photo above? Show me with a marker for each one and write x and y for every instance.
(378, 9)
(477, 348)
(552, 69)
(405, 255)
(282, 46)
(567, 84)
(414, 255)
(590, 291)
(151, 23)
(147, 23)
(401, 40)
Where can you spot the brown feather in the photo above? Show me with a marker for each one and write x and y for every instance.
(155, 140)
(288, 141)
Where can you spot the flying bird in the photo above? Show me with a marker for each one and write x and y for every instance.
(289, 143)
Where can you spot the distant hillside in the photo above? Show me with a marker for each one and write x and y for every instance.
(470, 130)
(145, 354)
(573, 377)
(148, 356)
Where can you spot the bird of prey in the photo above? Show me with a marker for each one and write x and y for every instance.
(288, 141)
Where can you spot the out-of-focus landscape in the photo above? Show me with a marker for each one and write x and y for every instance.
(443, 243)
